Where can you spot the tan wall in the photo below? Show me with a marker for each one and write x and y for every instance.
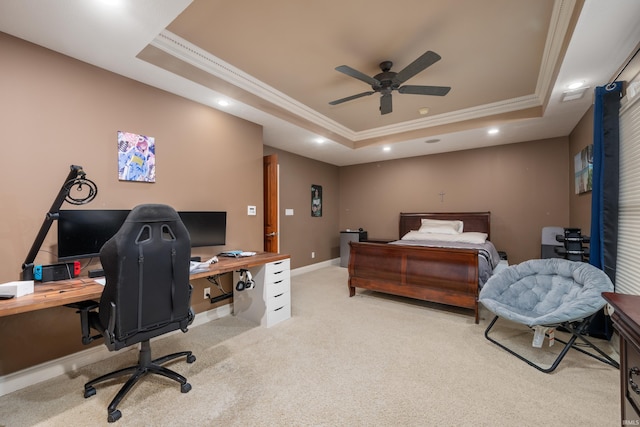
(580, 204)
(301, 234)
(525, 186)
(56, 112)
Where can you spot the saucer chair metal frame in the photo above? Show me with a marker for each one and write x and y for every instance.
(577, 329)
(554, 293)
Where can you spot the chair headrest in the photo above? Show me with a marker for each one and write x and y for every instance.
(153, 213)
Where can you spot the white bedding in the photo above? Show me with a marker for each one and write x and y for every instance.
(466, 237)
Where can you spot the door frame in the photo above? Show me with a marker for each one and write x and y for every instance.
(271, 235)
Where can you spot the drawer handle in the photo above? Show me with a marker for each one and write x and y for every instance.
(277, 281)
(279, 295)
(279, 308)
(634, 371)
(278, 272)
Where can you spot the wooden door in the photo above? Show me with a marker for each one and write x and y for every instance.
(270, 180)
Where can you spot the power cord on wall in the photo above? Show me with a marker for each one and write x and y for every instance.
(224, 294)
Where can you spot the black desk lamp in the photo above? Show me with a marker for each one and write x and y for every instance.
(76, 178)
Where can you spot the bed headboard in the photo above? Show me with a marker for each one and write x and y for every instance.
(473, 221)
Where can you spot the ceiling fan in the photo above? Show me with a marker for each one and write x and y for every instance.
(387, 81)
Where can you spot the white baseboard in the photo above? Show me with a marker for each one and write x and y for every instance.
(44, 371)
(317, 266)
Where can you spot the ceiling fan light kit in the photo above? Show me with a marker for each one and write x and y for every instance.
(387, 81)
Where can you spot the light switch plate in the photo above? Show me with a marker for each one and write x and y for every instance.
(251, 210)
(288, 212)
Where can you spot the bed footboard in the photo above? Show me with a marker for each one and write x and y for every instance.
(441, 275)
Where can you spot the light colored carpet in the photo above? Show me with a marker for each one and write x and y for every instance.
(370, 360)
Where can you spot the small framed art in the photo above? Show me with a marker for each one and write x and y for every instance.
(316, 200)
(136, 157)
(583, 167)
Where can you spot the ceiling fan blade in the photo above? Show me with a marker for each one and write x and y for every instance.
(427, 59)
(349, 98)
(385, 103)
(357, 74)
(425, 90)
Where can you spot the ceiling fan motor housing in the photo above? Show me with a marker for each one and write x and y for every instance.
(386, 78)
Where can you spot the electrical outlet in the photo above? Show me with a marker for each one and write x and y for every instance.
(207, 293)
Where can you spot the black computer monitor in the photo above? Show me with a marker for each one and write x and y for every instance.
(206, 228)
(81, 233)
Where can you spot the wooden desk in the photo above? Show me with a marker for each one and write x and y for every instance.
(55, 294)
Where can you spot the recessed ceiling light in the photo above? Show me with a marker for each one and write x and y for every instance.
(423, 111)
(493, 131)
(575, 85)
(320, 140)
(223, 103)
(387, 148)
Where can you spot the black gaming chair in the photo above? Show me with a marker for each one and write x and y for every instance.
(147, 294)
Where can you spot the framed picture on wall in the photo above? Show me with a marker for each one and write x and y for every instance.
(136, 157)
(583, 167)
(316, 200)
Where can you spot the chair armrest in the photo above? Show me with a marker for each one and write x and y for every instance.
(84, 308)
(109, 332)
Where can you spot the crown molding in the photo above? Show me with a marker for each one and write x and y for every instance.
(183, 50)
(501, 107)
(560, 21)
(186, 51)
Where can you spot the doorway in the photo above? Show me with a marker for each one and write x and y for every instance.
(271, 220)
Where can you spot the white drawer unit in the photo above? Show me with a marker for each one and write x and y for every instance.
(269, 302)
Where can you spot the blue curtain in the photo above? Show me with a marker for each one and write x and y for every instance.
(605, 190)
(605, 181)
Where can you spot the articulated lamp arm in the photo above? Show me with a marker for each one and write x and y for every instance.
(76, 177)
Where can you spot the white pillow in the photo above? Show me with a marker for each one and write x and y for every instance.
(441, 226)
(466, 237)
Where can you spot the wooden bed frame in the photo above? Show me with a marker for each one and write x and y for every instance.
(440, 275)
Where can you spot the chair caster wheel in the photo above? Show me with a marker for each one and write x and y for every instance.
(114, 416)
(191, 358)
(185, 387)
(90, 391)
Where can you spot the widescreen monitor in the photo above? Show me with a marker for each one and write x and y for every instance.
(81, 233)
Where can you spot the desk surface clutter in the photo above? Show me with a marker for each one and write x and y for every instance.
(59, 293)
